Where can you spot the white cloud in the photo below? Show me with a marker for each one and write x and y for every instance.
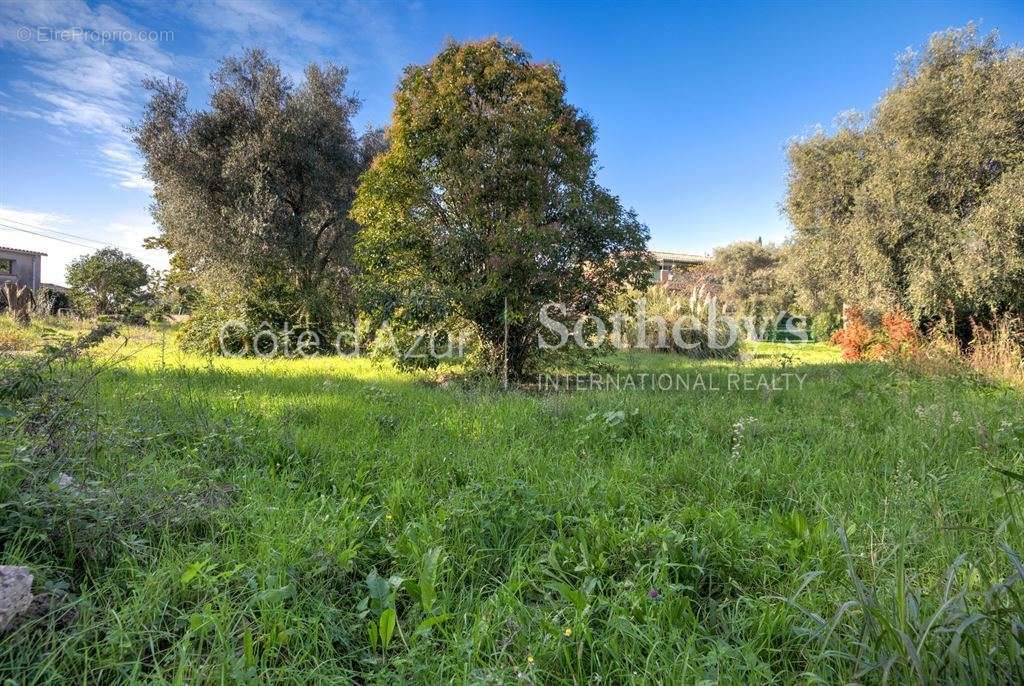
(355, 34)
(94, 116)
(80, 80)
(89, 90)
(258, 21)
(81, 83)
(18, 217)
(126, 166)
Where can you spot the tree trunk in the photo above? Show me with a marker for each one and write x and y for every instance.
(19, 302)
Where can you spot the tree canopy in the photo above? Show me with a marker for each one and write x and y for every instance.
(107, 282)
(921, 205)
(750, 278)
(253, 194)
(485, 205)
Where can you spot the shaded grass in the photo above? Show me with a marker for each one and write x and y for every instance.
(665, 532)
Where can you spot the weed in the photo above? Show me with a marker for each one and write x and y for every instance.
(252, 521)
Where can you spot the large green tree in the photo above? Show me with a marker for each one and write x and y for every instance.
(107, 282)
(253, 194)
(486, 206)
(921, 205)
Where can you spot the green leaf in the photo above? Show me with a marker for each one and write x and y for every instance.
(388, 620)
(371, 630)
(345, 557)
(1007, 472)
(379, 587)
(250, 658)
(428, 576)
(570, 595)
(411, 587)
(191, 572)
(429, 623)
(275, 595)
(427, 597)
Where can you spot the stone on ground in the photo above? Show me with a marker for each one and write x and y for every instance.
(15, 593)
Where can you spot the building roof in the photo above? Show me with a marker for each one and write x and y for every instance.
(23, 252)
(679, 256)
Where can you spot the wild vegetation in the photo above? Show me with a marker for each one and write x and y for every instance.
(204, 520)
(485, 207)
(773, 514)
(919, 205)
(694, 323)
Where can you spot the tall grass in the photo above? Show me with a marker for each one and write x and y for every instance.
(968, 633)
(206, 520)
(998, 350)
(695, 325)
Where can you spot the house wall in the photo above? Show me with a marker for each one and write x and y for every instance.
(668, 269)
(27, 268)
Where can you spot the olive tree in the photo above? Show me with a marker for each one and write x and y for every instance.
(252, 195)
(485, 205)
(920, 205)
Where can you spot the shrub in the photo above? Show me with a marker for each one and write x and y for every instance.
(14, 338)
(50, 301)
(238, 314)
(897, 336)
(420, 348)
(854, 337)
(25, 376)
(900, 335)
(707, 332)
(995, 351)
(824, 324)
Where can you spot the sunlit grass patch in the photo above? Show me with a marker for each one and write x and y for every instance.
(338, 519)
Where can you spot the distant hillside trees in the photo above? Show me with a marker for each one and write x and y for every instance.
(921, 205)
(253, 194)
(486, 206)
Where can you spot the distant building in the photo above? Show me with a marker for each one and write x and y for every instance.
(671, 264)
(24, 267)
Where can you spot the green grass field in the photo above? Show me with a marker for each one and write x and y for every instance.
(249, 521)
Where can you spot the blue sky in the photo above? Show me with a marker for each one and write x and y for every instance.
(694, 102)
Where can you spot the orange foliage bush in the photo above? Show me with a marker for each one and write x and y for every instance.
(854, 337)
(898, 336)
